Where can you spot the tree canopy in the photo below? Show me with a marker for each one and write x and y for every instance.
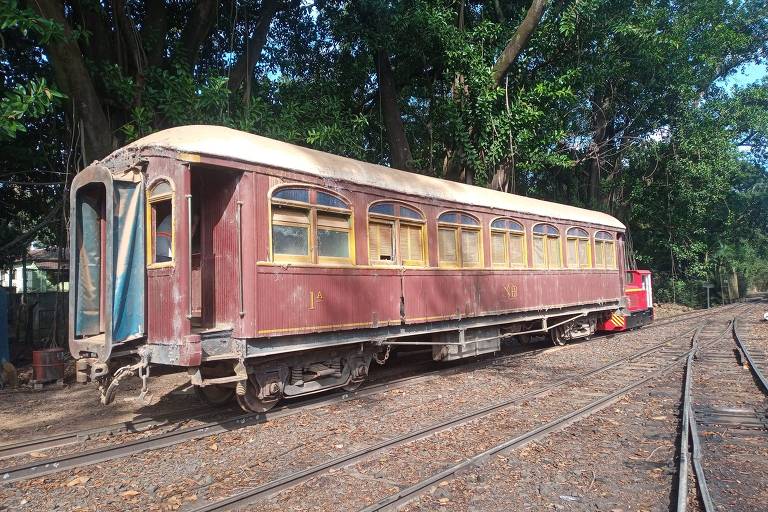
(617, 105)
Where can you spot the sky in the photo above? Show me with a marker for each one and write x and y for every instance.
(748, 74)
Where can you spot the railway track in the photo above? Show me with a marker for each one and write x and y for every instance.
(177, 420)
(637, 369)
(178, 435)
(724, 426)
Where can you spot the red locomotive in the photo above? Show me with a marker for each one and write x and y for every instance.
(269, 270)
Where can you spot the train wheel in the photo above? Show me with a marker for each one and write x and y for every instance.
(250, 401)
(556, 336)
(352, 385)
(215, 395)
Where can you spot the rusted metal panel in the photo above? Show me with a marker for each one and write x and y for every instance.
(311, 299)
(434, 295)
(168, 291)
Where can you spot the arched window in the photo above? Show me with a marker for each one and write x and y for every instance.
(577, 248)
(546, 246)
(507, 243)
(310, 226)
(395, 235)
(605, 250)
(459, 240)
(160, 228)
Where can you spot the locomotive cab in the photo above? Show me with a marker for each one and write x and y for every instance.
(639, 299)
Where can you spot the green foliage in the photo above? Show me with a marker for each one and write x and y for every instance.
(618, 106)
(24, 102)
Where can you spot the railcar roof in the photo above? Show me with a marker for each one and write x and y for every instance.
(225, 142)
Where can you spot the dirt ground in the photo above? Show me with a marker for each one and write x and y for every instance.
(27, 414)
(665, 310)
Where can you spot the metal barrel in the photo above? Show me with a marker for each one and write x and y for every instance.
(48, 364)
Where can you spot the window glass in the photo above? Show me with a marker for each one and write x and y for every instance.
(610, 255)
(545, 229)
(553, 252)
(539, 254)
(290, 231)
(292, 240)
(383, 208)
(447, 245)
(469, 221)
(470, 248)
(577, 232)
(516, 250)
(411, 244)
(572, 246)
(292, 194)
(332, 235)
(410, 213)
(162, 230)
(499, 224)
(453, 218)
(603, 235)
(325, 199)
(599, 254)
(583, 253)
(380, 243)
(404, 238)
(605, 254)
(499, 249)
(161, 188)
(331, 243)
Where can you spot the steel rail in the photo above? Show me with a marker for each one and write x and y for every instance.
(755, 369)
(142, 425)
(131, 426)
(690, 428)
(400, 498)
(102, 454)
(294, 479)
(682, 468)
(135, 426)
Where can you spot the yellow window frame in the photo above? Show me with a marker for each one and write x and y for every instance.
(150, 223)
(579, 239)
(547, 260)
(604, 243)
(312, 258)
(508, 236)
(396, 221)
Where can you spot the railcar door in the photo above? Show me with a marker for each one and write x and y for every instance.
(216, 248)
(106, 298)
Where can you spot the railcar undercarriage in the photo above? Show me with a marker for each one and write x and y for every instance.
(258, 383)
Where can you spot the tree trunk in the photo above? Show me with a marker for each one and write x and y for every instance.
(248, 60)
(600, 139)
(400, 150)
(155, 26)
(74, 80)
(196, 31)
(519, 41)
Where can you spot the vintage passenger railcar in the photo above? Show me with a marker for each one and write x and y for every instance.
(269, 270)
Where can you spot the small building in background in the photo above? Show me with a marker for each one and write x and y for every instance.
(36, 313)
(44, 271)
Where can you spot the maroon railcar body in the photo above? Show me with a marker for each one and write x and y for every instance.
(223, 307)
